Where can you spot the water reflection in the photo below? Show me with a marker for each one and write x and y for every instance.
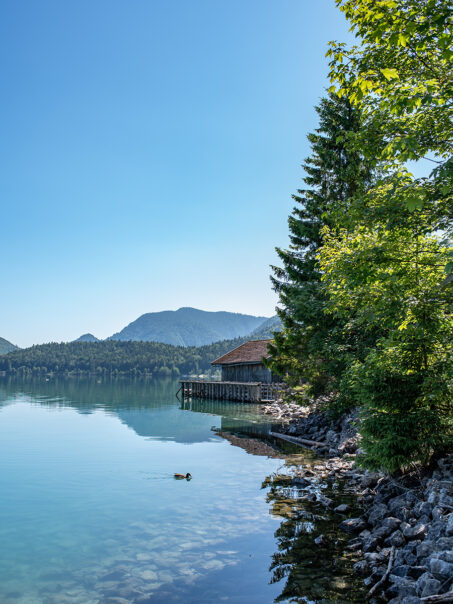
(311, 557)
(126, 399)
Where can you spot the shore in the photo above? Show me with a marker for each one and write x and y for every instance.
(404, 536)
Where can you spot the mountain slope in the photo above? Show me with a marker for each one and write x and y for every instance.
(87, 337)
(265, 329)
(6, 346)
(188, 327)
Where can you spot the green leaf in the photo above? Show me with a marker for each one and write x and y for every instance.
(390, 74)
(449, 268)
(414, 203)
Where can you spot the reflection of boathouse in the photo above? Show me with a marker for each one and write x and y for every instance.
(238, 419)
(245, 377)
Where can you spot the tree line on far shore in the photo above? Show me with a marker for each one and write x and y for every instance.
(366, 284)
(112, 357)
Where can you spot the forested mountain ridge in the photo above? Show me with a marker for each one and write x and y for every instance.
(6, 346)
(112, 357)
(189, 327)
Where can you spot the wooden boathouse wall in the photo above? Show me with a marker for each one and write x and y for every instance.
(248, 372)
(245, 392)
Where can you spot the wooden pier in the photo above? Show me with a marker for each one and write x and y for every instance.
(245, 392)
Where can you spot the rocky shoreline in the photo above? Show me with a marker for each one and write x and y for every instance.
(404, 536)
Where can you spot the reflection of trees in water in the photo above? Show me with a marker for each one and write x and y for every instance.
(313, 572)
(88, 394)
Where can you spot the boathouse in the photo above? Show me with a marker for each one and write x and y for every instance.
(246, 363)
(245, 377)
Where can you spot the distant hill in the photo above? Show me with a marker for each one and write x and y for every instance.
(87, 337)
(6, 346)
(265, 329)
(189, 327)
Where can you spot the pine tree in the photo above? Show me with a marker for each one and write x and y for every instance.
(334, 173)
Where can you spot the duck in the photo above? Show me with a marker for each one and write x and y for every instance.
(187, 476)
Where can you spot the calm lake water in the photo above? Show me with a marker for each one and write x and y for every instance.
(90, 511)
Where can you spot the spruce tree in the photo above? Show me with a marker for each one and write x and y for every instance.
(334, 173)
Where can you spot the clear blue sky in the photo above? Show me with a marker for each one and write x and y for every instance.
(149, 150)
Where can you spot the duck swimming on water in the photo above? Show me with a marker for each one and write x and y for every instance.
(187, 476)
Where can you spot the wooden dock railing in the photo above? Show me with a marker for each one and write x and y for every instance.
(245, 392)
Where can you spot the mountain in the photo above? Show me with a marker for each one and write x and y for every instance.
(265, 329)
(6, 346)
(87, 337)
(189, 327)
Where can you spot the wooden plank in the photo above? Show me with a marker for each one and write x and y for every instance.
(298, 441)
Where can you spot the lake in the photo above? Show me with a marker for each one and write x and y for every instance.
(91, 513)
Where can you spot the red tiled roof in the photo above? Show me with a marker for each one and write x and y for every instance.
(250, 352)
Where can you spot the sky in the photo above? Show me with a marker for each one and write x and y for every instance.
(149, 152)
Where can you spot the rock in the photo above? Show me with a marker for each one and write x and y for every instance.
(425, 549)
(419, 531)
(423, 508)
(437, 513)
(396, 504)
(391, 522)
(342, 508)
(427, 585)
(421, 581)
(300, 481)
(353, 525)
(404, 526)
(377, 514)
(369, 479)
(449, 528)
(442, 568)
(114, 575)
(436, 530)
(360, 567)
(401, 571)
(149, 575)
(370, 544)
(382, 532)
(447, 556)
(401, 587)
(411, 559)
(444, 543)
(397, 539)
(374, 558)
(445, 500)
(433, 497)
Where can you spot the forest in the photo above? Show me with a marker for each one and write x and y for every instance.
(112, 357)
(366, 284)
